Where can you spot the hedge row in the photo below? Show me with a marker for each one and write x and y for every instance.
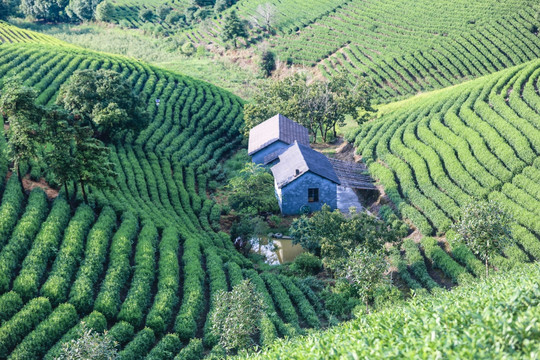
(22, 323)
(138, 298)
(68, 257)
(21, 239)
(168, 285)
(48, 332)
(91, 268)
(108, 300)
(43, 249)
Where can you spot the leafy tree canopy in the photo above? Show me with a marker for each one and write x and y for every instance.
(485, 228)
(364, 271)
(104, 11)
(252, 191)
(333, 236)
(90, 345)
(320, 106)
(48, 10)
(234, 28)
(83, 9)
(103, 101)
(236, 316)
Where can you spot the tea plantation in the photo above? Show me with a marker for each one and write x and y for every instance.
(148, 263)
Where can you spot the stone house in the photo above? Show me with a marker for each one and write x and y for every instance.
(273, 136)
(304, 180)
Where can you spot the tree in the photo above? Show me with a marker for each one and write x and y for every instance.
(90, 345)
(47, 10)
(90, 157)
(268, 63)
(234, 28)
(104, 101)
(236, 316)
(4, 10)
(265, 16)
(320, 106)
(17, 105)
(163, 11)
(84, 10)
(252, 191)
(333, 236)
(105, 11)
(484, 228)
(58, 155)
(145, 14)
(364, 271)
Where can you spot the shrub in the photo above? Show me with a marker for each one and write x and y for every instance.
(10, 303)
(145, 15)
(14, 330)
(193, 351)
(168, 346)
(188, 48)
(139, 346)
(237, 316)
(47, 333)
(307, 264)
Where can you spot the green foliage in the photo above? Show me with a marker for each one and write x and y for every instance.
(484, 228)
(251, 191)
(10, 303)
(237, 316)
(90, 345)
(17, 105)
(320, 106)
(233, 28)
(48, 10)
(21, 324)
(163, 11)
(47, 333)
(500, 312)
(105, 11)
(267, 63)
(364, 271)
(139, 346)
(188, 48)
(104, 101)
(306, 264)
(442, 260)
(193, 351)
(333, 235)
(145, 14)
(84, 10)
(167, 348)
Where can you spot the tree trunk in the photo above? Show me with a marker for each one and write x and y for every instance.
(66, 190)
(487, 268)
(367, 306)
(19, 175)
(85, 197)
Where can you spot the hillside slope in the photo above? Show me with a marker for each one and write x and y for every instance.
(495, 319)
(147, 261)
(481, 139)
(404, 47)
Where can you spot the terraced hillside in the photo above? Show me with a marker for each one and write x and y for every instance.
(147, 263)
(128, 10)
(481, 139)
(466, 323)
(14, 34)
(404, 47)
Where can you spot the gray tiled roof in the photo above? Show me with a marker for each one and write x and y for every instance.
(299, 159)
(276, 128)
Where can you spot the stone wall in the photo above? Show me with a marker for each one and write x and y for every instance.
(294, 195)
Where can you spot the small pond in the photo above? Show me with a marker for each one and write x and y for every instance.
(276, 251)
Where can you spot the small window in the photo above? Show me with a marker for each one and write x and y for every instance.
(313, 195)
